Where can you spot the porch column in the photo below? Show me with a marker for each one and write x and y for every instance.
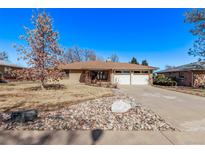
(87, 76)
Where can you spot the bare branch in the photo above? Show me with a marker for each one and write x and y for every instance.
(42, 53)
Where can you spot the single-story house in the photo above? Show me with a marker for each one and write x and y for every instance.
(5, 67)
(192, 74)
(113, 72)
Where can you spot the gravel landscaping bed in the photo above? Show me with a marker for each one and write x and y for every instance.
(93, 114)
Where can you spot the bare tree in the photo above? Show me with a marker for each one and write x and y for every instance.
(74, 54)
(68, 56)
(114, 58)
(77, 54)
(100, 58)
(42, 53)
(89, 55)
(3, 56)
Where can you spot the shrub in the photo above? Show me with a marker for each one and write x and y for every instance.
(164, 81)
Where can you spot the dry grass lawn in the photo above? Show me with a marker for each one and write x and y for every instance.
(187, 90)
(21, 95)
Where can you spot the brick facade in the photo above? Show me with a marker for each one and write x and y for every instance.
(4, 71)
(192, 74)
(184, 78)
(188, 78)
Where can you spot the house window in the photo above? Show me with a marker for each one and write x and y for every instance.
(122, 72)
(125, 72)
(102, 75)
(145, 72)
(118, 72)
(181, 75)
(99, 75)
(137, 72)
(67, 72)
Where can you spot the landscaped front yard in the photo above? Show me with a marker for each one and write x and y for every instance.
(187, 90)
(26, 95)
(75, 106)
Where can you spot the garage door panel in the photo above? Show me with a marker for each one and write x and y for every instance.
(140, 80)
(123, 79)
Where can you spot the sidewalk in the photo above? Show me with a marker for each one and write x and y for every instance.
(101, 137)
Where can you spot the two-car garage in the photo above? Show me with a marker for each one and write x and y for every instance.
(131, 77)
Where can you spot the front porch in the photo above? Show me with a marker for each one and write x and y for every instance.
(96, 76)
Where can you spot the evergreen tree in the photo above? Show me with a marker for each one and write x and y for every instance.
(144, 62)
(134, 61)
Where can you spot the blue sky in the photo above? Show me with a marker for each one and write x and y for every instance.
(158, 35)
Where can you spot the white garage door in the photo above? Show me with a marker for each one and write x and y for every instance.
(140, 80)
(123, 79)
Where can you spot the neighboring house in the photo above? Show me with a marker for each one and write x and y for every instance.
(187, 75)
(113, 72)
(5, 68)
(1, 76)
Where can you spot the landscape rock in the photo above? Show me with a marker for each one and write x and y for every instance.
(120, 106)
(94, 114)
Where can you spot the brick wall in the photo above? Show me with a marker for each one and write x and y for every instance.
(75, 76)
(183, 78)
(2, 69)
(187, 80)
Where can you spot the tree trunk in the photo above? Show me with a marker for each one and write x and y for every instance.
(42, 85)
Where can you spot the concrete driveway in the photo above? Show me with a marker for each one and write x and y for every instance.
(186, 112)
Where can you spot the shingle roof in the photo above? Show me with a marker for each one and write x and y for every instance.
(100, 65)
(3, 63)
(187, 67)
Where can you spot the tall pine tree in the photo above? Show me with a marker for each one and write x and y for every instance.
(144, 62)
(134, 61)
